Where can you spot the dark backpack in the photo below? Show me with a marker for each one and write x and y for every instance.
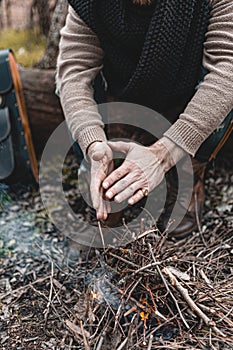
(17, 155)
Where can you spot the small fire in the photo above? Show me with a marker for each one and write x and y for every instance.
(94, 295)
(144, 316)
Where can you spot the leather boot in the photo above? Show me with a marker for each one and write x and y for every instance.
(189, 222)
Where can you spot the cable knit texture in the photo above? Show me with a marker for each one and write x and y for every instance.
(134, 37)
(82, 57)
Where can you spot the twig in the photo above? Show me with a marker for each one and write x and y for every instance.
(191, 303)
(168, 289)
(150, 342)
(137, 303)
(142, 235)
(99, 346)
(23, 288)
(101, 234)
(206, 279)
(132, 289)
(87, 346)
(123, 260)
(198, 220)
(157, 313)
(50, 293)
(156, 263)
(123, 344)
(225, 318)
(160, 326)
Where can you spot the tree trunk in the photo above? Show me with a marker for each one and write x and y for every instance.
(50, 57)
(43, 10)
(1, 21)
(43, 106)
(8, 13)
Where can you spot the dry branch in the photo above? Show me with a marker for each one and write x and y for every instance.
(184, 292)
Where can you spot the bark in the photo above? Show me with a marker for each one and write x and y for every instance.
(8, 13)
(1, 22)
(43, 10)
(49, 59)
(43, 106)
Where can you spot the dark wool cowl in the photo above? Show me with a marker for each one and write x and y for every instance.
(153, 53)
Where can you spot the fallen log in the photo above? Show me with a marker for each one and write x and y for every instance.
(43, 106)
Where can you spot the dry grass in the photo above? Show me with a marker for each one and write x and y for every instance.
(28, 45)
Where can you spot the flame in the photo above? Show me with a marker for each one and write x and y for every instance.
(145, 302)
(94, 295)
(144, 316)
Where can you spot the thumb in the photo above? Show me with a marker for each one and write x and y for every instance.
(98, 154)
(119, 146)
(101, 150)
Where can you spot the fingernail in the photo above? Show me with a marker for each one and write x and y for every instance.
(105, 184)
(131, 201)
(117, 199)
(109, 194)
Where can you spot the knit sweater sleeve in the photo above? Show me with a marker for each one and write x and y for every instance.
(214, 99)
(79, 61)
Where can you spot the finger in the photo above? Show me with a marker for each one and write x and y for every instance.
(120, 186)
(100, 153)
(119, 146)
(97, 154)
(102, 210)
(116, 175)
(100, 150)
(108, 205)
(97, 177)
(136, 197)
(100, 213)
(110, 167)
(95, 191)
(127, 192)
(105, 213)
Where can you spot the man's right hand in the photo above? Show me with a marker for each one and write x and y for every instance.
(100, 155)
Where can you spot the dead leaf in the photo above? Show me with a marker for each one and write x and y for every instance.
(182, 275)
(77, 330)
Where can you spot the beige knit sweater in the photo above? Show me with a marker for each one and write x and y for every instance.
(81, 58)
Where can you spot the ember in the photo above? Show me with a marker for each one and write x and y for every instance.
(94, 295)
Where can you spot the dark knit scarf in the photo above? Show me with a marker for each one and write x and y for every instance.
(153, 53)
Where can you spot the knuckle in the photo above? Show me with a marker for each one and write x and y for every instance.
(131, 188)
(124, 183)
(138, 172)
(119, 174)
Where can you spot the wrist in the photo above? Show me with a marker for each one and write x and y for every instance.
(167, 152)
(175, 151)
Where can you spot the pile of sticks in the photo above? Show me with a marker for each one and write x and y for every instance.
(153, 292)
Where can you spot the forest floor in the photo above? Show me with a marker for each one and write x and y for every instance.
(153, 293)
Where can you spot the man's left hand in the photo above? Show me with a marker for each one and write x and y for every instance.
(142, 170)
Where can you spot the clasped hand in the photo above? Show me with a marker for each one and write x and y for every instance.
(143, 168)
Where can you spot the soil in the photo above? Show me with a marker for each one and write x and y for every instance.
(56, 295)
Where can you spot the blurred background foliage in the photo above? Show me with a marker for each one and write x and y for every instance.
(28, 44)
(31, 29)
